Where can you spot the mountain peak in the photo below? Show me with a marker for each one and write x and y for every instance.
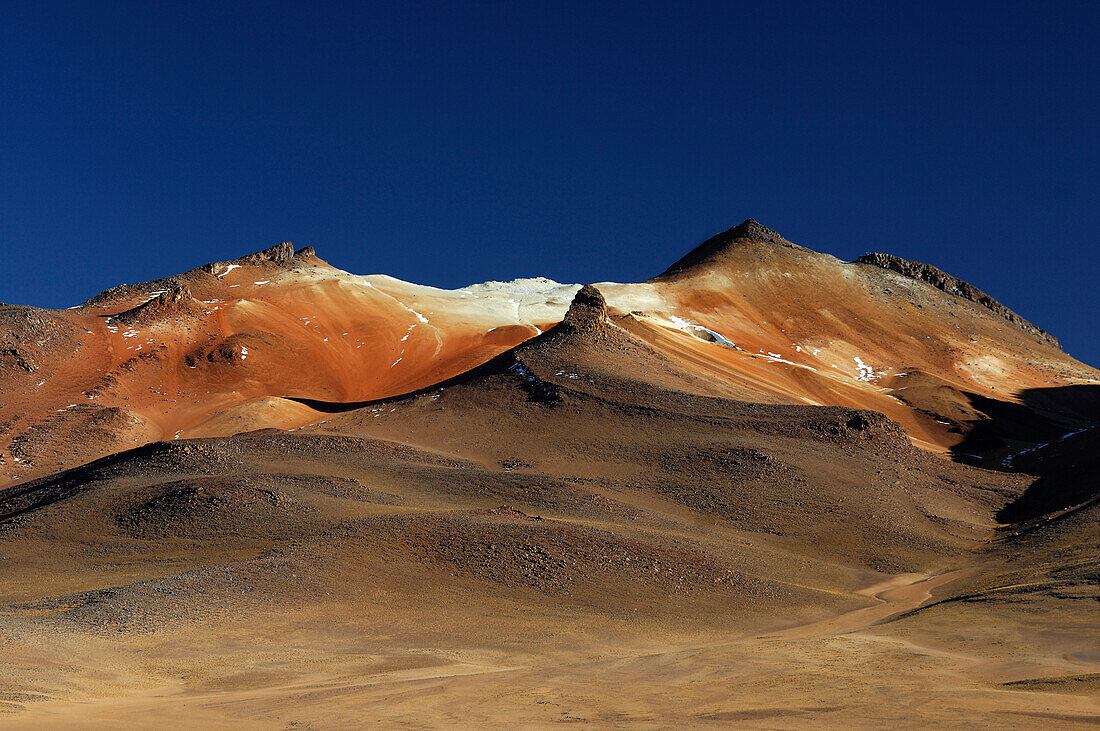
(752, 230)
(749, 232)
(279, 254)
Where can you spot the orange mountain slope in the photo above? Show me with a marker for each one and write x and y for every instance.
(225, 348)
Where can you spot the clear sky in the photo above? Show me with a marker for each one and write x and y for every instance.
(449, 143)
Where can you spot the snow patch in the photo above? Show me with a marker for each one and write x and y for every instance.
(418, 315)
(699, 331)
(866, 372)
(777, 358)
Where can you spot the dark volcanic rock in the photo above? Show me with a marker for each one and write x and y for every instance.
(176, 300)
(231, 351)
(34, 326)
(280, 254)
(111, 296)
(587, 312)
(124, 294)
(953, 285)
(29, 335)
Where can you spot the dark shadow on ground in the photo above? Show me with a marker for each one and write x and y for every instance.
(1044, 416)
(1055, 436)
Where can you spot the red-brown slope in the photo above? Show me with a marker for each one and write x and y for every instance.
(204, 353)
(817, 330)
(747, 315)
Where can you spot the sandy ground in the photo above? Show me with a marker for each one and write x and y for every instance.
(834, 672)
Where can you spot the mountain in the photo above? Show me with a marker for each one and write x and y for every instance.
(766, 486)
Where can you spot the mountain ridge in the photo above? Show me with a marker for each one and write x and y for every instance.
(773, 487)
(953, 285)
(756, 317)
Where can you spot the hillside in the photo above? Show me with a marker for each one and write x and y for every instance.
(766, 487)
(218, 350)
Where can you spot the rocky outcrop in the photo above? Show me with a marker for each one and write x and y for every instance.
(953, 285)
(34, 326)
(750, 232)
(280, 254)
(30, 335)
(124, 294)
(174, 301)
(232, 351)
(110, 296)
(587, 312)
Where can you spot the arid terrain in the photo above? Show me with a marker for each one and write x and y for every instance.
(764, 488)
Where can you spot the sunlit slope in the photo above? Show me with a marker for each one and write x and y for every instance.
(213, 351)
(749, 315)
(756, 309)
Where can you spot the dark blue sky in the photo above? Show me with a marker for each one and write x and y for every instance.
(448, 143)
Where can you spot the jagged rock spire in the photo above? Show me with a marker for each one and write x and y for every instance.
(282, 253)
(587, 312)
